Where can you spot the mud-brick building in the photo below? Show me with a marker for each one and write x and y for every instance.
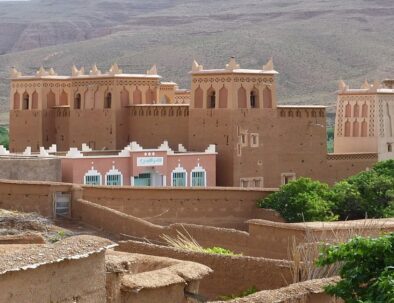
(259, 142)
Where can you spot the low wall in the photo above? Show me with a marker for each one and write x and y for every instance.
(222, 207)
(231, 274)
(67, 281)
(30, 196)
(305, 292)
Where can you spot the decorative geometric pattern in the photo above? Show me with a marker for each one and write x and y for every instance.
(366, 156)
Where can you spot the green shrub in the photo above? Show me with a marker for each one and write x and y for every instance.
(4, 137)
(220, 251)
(367, 194)
(302, 200)
(367, 269)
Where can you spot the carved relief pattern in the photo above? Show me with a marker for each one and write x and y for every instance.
(340, 119)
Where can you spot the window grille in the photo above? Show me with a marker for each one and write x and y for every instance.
(114, 180)
(198, 178)
(92, 180)
(179, 179)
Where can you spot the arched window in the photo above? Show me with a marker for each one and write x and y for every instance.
(92, 177)
(114, 177)
(223, 93)
(347, 129)
(150, 96)
(254, 99)
(211, 98)
(198, 98)
(137, 96)
(364, 111)
(198, 177)
(356, 110)
(348, 110)
(63, 98)
(124, 98)
(51, 99)
(34, 101)
(267, 98)
(364, 129)
(77, 101)
(108, 100)
(25, 101)
(242, 97)
(179, 177)
(17, 100)
(356, 129)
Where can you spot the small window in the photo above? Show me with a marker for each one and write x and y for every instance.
(114, 180)
(390, 147)
(179, 179)
(198, 178)
(144, 179)
(287, 178)
(108, 100)
(243, 139)
(212, 100)
(257, 183)
(77, 101)
(244, 183)
(254, 140)
(93, 180)
(253, 103)
(25, 101)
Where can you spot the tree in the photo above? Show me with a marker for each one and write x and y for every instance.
(367, 269)
(302, 200)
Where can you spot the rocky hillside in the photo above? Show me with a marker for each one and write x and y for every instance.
(314, 43)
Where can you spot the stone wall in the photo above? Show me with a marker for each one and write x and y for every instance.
(39, 169)
(69, 281)
(231, 274)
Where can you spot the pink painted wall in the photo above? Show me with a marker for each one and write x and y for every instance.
(74, 169)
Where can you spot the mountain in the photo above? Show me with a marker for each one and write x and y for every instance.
(313, 42)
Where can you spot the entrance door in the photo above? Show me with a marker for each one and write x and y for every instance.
(62, 204)
(144, 179)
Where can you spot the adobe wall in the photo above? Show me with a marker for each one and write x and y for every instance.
(30, 196)
(26, 130)
(81, 280)
(151, 125)
(39, 169)
(222, 207)
(305, 292)
(231, 274)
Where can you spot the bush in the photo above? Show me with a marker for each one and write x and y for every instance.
(367, 269)
(302, 200)
(220, 251)
(4, 137)
(367, 194)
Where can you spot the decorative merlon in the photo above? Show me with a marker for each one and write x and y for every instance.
(366, 85)
(152, 71)
(41, 72)
(52, 148)
(75, 72)
(95, 71)
(134, 146)
(269, 66)
(196, 67)
(211, 149)
(114, 70)
(3, 151)
(232, 64)
(164, 146)
(181, 148)
(14, 73)
(43, 152)
(342, 85)
(27, 151)
(86, 148)
(52, 72)
(74, 153)
(125, 152)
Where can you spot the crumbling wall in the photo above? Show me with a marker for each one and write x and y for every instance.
(231, 274)
(69, 281)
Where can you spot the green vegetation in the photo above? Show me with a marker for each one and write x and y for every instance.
(220, 251)
(330, 139)
(366, 269)
(367, 194)
(60, 235)
(4, 137)
(244, 293)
